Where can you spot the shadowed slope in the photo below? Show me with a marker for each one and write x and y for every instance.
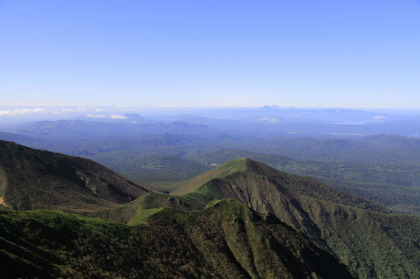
(33, 179)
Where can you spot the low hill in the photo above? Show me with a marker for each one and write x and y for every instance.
(225, 240)
(361, 234)
(135, 211)
(31, 179)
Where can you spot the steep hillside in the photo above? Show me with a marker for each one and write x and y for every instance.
(31, 179)
(393, 185)
(258, 173)
(361, 234)
(226, 240)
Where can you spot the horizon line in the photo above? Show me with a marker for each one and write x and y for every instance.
(208, 107)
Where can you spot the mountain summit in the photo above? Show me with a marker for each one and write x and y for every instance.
(360, 233)
(260, 176)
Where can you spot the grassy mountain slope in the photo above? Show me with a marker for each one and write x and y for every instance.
(33, 179)
(394, 186)
(135, 211)
(372, 242)
(259, 173)
(226, 240)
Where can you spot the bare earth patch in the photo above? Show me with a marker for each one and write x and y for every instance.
(2, 202)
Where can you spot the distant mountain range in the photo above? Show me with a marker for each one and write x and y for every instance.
(80, 129)
(237, 220)
(266, 121)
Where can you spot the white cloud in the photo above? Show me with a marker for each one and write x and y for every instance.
(115, 116)
(15, 112)
(95, 116)
(268, 119)
(379, 117)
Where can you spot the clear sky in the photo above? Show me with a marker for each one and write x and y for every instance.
(306, 53)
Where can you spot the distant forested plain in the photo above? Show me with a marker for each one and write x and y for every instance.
(348, 150)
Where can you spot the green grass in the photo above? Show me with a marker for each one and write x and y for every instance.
(219, 172)
(127, 213)
(143, 215)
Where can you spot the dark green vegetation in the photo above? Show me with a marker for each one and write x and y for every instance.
(32, 179)
(226, 240)
(361, 234)
(198, 229)
(394, 186)
(374, 243)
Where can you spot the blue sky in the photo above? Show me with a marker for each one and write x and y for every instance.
(347, 53)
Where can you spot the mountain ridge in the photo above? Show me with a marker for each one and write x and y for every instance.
(296, 184)
(226, 240)
(32, 179)
(357, 231)
(360, 234)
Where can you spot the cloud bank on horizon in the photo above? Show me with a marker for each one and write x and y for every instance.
(358, 54)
